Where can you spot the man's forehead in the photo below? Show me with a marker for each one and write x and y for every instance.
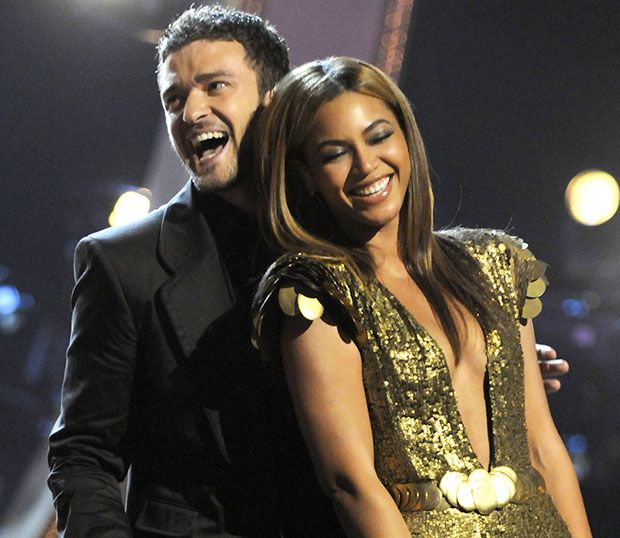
(208, 54)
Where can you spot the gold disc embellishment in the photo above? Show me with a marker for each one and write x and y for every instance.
(538, 268)
(309, 307)
(465, 497)
(450, 484)
(287, 300)
(481, 491)
(505, 488)
(531, 308)
(536, 288)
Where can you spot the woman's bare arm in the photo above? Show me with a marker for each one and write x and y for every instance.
(324, 374)
(547, 450)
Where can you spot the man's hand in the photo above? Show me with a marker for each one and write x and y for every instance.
(550, 367)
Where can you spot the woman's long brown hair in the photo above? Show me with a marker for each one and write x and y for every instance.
(295, 222)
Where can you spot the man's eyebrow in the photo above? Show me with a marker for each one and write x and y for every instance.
(201, 77)
(169, 89)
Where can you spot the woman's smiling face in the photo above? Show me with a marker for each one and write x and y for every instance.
(358, 162)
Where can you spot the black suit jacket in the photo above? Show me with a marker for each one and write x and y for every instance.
(135, 393)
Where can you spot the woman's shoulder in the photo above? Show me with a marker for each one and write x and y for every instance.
(507, 261)
(306, 265)
(311, 272)
(302, 284)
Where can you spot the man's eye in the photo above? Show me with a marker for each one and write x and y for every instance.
(173, 102)
(217, 85)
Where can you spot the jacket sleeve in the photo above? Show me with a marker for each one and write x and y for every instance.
(88, 444)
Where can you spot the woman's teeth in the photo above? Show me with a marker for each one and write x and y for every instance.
(375, 188)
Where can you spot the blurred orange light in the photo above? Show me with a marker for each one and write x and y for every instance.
(130, 206)
(592, 197)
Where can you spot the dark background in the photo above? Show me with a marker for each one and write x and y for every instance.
(513, 99)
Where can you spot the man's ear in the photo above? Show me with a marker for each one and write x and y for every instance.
(268, 96)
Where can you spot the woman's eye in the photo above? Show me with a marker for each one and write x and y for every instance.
(329, 157)
(380, 137)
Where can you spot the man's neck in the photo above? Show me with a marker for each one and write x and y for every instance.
(242, 196)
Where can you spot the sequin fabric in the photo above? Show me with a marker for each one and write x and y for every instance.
(417, 429)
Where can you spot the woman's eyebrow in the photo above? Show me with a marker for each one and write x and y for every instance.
(374, 124)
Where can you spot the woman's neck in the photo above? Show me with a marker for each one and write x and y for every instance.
(384, 250)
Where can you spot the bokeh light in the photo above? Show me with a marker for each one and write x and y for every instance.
(574, 308)
(577, 444)
(583, 336)
(11, 323)
(592, 197)
(9, 300)
(131, 205)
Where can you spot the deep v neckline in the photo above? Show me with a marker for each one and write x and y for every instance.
(485, 389)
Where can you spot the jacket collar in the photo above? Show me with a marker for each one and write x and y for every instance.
(198, 290)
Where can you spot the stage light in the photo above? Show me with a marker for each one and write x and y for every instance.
(11, 323)
(577, 444)
(9, 300)
(583, 336)
(148, 35)
(582, 465)
(130, 206)
(574, 308)
(592, 197)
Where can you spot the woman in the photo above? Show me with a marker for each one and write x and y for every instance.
(410, 366)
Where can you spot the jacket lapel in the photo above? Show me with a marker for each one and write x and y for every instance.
(198, 291)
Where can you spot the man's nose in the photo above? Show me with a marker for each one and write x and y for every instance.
(197, 107)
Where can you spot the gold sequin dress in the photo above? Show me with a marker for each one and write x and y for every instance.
(417, 429)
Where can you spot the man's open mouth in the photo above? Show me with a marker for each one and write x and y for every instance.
(208, 144)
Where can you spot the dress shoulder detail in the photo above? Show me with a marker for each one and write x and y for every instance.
(496, 249)
(307, 286)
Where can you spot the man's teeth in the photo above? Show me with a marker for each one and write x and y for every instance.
(374, 188)
(196, 141)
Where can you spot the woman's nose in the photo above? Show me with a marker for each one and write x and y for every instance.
(366, 160)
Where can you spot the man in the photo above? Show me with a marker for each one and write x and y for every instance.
(156, 376)
(134, 393)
